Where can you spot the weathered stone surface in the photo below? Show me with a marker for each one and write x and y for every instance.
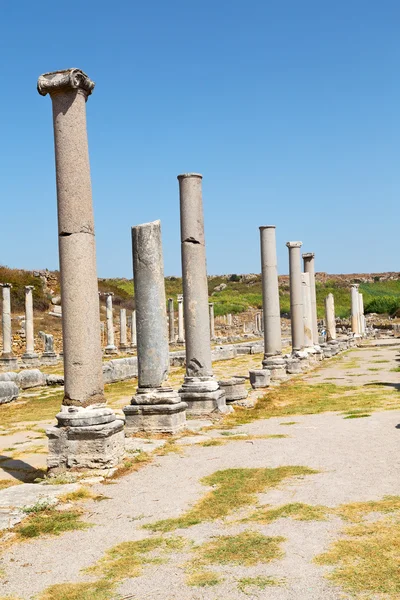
(156, 418)
(31, 378)
(224, 353)
(234, 388)
(55, 380)
(296, 300)
(75, 416)
(309, 267)
(270, 292)
(120, 369)
(8, 391)
(10, 376)
(259, 378)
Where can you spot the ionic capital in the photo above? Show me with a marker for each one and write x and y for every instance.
(64, 81)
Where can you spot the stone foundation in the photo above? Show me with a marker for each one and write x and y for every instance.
(8, 363)
(234, 388)
(259, 378)
(155, 418)
(202, 395)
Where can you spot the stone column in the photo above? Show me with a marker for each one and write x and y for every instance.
(154, 407)
(271, 306)
(133, 329)
(307, 310)
(200, 389)
(330, 318)
(229, 317)
(171, 321)
(123, 343)
(7, 359)
(296, 300)
(88, 434)
(361, 313)
(111, 347)
(30, 357)
(309, 267)
(355, 309)
(181, 334)
(212, 320)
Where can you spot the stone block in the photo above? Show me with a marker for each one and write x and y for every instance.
(223, 353)
(55, 380)
(257, 349)
(234, 388)
(293, 366)
(10, 376)
(31, 378)
(91, 447)
(8, 363)
(120, 369)
(259, 378)
(155, 418)
(8, 391)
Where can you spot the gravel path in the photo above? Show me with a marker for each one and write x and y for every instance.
(357, 460)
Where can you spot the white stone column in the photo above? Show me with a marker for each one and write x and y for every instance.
(212, 320)
(111, 347)
(200, 389)
(133, 329)
(154, 408)
(330, 318)
(123, 342)
(7, 360)
(296, 297)
(229, 320)
(29, 358)
(181, 330)
(309, 267)
(88, 434)
(361, 313)
(307, 310)
(171, 320)
(355, 309)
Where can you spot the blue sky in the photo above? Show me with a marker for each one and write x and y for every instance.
(289, 109)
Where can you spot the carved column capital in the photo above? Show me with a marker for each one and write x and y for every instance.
(64, 81)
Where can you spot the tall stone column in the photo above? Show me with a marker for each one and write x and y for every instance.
(307, 310)
(355, 309)
(133, 329)
(111, 347)
(200, 389)
(123, 342)
(361, 313)
(29, 358)
(171, 320)
(271, 306)
(212, 320)
(88, 434)
(154, 407)
(309, 267)
(296, 297)
(330, 318)
(7, 359)
(181, 331)
(229, 317)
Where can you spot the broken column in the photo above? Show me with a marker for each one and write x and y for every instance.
(307, 310)
(181, 334)
(88, 434)
(309, 267)
(7, 359)
(271, 306)
(355, 309)
(200, 388)
(123, 342)
(30, 357)
(154, 408)
(330, 318)
(296, 297)
(111, 347)
(171, 320)
(49, 357)
(133, 329)
(212, 320)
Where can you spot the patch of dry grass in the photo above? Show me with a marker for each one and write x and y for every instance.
(296, 510)
(247, 548)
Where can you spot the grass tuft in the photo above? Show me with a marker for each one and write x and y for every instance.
(247, 548)
(50, 522)
(259, 582)
(296, 510)
(203, 578)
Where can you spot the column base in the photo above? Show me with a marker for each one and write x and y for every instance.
(203, 396)
(110, 350)
(155, 410)
(123, 347)
(293, 366)
(8, 363)
(276, 365)
(49, 358)
(234, 388)
(259, 378)
(31, 360)
(85, 438)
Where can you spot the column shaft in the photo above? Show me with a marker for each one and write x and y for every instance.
(330, 317)
(181, 334)
(296, 300)
(29, 333)
(309, 267)
(122, 328)
(212, 320)
(171, 322)
(6, 320)
(355, 309)
(270, 292)
(307, 310)
(133, 329)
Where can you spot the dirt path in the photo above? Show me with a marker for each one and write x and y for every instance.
(354, 459)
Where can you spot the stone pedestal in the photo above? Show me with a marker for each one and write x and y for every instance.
(296, 296)
(309, 267)
(181, 333)
(200, 390)
(123, 342)
(153, 408)
(30, 357)
(8, 361)
(111, 347)
(234, 388)
(276, 365)
(259, 378)
(87, 435)
(330, 317)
